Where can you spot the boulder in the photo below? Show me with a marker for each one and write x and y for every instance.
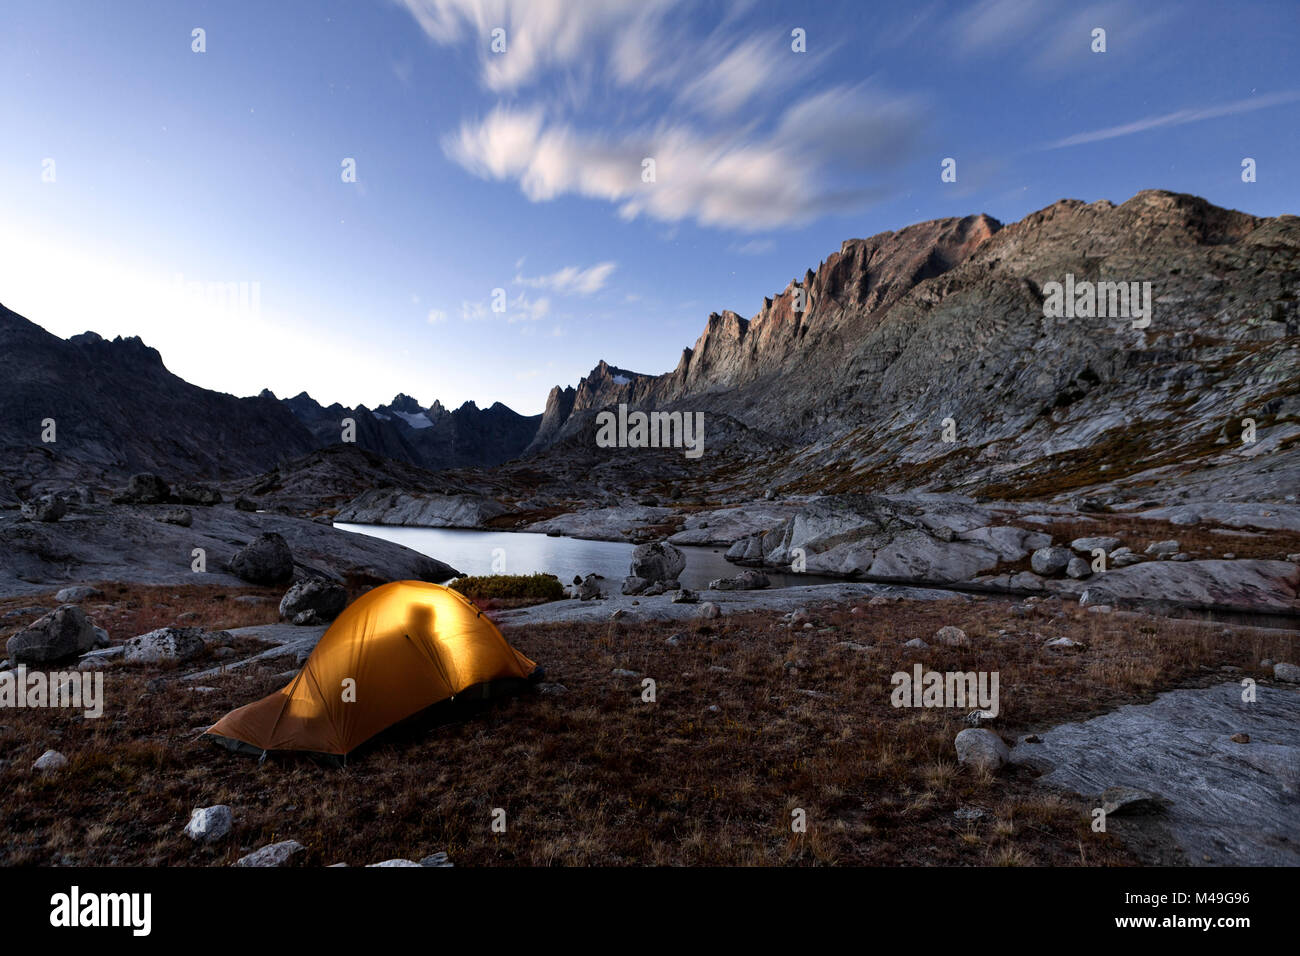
(1162, 548)
(685, 596)
(1078, 569)
(981, 749)
(658, 561)
(1088, 545)
(144, 489)
(952, 636)
(209, 824)
(708, 610)
(632, 584)
(77, 594)
(313, 602)
(276, 854)
(1124, 557)
(50, 761)
(744, 581)
(588, 589)
(1287, 672)
(165, 644)
(64, 632)
(45, 508)
(1049, 561)
(267, 560)
(177, 516)
(193, 493)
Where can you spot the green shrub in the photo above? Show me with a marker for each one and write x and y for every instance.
(546, 587)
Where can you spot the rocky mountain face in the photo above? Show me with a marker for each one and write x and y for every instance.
(924, 359)
(433, 437)
(117, 409)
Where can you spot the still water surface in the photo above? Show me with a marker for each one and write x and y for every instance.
(474, 552)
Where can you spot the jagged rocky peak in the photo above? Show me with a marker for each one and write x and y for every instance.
(405, 403)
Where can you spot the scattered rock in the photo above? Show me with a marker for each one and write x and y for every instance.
(276, 854)
(437, 859)
(588, 589)
(619, 614)
(75, 595)
(209, 824)
(1240, 738)
(916, 643)
(165, 644)
(193, 493)
(748, 580)
(395, 862)
(1078, 569)
(144, 489)
(551, 689)
(244, 504)
(708, 610)
(685, 596)
(267, 560)
(1088, 545)
(952, 636)
(177, 516)
(633, 584)
(1049, 561)
(64, 632)
(1063, 642)
(1096, 595)
(50, 761)
(45, 508)
(981, 749)
(313, 602)
(1287, 672)
(1162, 548)
(622, 672)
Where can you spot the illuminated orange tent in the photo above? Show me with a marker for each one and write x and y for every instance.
(393, 652)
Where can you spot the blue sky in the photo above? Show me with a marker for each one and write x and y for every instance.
(139, 176)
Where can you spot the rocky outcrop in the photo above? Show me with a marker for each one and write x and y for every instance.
(385, 506)
(1267, 586)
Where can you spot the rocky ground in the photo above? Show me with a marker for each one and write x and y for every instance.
(756, 715)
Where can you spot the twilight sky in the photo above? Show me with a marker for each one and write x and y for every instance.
(139, 176)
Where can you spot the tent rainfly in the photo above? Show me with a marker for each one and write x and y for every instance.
(393, 652)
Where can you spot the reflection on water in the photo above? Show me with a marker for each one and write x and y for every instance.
(517, 552)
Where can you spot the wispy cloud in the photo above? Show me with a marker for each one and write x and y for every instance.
(571, 279)
(1177, 118)
(755, 247)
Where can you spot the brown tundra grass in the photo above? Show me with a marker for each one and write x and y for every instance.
(596, 776)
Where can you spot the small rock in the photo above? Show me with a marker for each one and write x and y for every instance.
(50, 761)
(1063, 642)
(177, 516)
(209, 824)
(622, 672)
(619, 614)
(46, 508)
(1287, 672)
(952, 636)
(395, 862)
(708, 610)
(275, 854)
(916, 643)
(313, 602)
(1088, 545)
(1240, 738)
(437, 859)
(1162, 548)
(685, 596)
(551, 690)
(1078, 569)
(676, 639)
(981, 749)
(75, 595)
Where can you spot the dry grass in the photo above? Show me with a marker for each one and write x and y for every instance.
(597, 776)
(1201, 541)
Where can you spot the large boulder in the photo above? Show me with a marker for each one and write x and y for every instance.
(1226, 585)
(165, 644)
(144, 489)
(267, 560)
(64, 632)
(658, 561)
(45, 508)
(313, 602)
